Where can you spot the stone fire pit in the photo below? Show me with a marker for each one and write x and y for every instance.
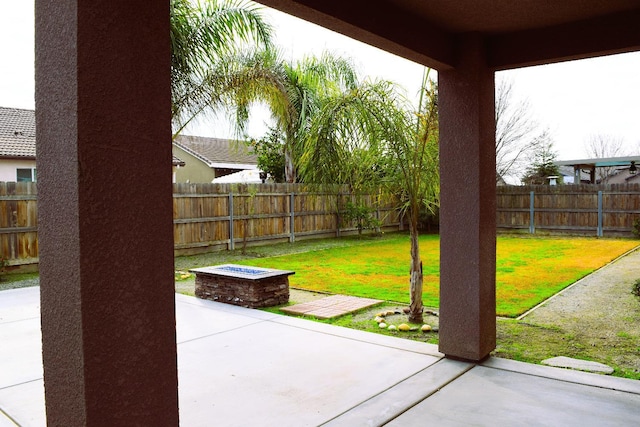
(252, 287)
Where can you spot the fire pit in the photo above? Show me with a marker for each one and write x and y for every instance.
(252, 287)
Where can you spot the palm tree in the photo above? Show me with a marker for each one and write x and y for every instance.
(295, 93)
(401, 149)
(417, 178)
(209, 44)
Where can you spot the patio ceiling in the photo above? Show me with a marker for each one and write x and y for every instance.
(518, 33)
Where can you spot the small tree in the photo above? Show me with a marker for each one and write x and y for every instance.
(270, 153)
(369, 136)
(415, 152)
(543, 166)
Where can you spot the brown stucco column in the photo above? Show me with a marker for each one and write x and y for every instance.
(468, 204)
(105, 212)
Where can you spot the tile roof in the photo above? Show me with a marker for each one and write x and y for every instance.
(17, 133)
(215, 151)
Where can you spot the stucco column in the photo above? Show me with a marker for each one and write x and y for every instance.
(105, 212)
(468, 204)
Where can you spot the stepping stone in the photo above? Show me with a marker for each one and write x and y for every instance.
(330, 307)
(581, 365)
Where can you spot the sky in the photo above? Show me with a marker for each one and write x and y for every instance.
(575, 100)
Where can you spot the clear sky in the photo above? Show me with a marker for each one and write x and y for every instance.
(575, 100)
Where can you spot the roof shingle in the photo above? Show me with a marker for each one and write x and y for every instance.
(17, 133)
(214, 151)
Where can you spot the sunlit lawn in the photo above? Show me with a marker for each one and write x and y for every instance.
(528, 270)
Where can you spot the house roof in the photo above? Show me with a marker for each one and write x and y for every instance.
(217, 152)
(17, 133)
(177, 161)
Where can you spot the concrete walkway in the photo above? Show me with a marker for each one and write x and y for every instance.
(243, 367)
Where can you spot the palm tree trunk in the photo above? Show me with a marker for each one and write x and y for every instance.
(416, 307)
(289, 169)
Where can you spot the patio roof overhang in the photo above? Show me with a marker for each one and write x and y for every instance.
(517, 34)
(600, 163)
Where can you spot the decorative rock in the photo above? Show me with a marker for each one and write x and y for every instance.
(406, 310)
(392, 328)
(413, 328)
(390, 313)
(382, 325)
(425, 328)
(379, 319)
(403, 327)
(381, 314)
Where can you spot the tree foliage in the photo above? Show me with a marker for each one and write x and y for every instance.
(270, 152)
(367, 137)
(542, 166)
(214, 52)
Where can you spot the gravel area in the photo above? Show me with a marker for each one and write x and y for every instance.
(599, 309)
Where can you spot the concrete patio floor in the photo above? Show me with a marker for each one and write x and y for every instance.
(243, 367)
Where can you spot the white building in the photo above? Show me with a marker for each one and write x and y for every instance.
(17, 145)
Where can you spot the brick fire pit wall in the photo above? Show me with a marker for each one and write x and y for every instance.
(251, 287)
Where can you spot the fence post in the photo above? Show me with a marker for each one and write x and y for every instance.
(532, 223)
(231, 242)
(292, 227)
(338, 218)
(600, 232)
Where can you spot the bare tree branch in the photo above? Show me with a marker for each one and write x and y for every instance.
(517, 133)
(603, 146)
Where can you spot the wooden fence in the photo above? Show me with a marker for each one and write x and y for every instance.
(594, 210)
(18, 222)
(226, 216)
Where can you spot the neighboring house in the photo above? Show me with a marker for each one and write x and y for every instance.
(624, 175)
(17, 145)
(210, 158)
(613, 170)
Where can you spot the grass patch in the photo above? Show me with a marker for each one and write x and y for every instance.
(528, 270)
(18, 280)
(529, 343)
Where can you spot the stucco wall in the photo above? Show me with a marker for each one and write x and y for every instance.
(194, 170)
(8, 168)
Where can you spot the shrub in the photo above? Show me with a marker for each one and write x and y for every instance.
(636, 288)
(362, 215)
(635, 229)
(3, 265)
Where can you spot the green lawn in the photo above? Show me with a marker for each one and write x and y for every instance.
(528, 270)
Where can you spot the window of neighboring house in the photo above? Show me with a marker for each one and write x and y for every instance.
(26, 175)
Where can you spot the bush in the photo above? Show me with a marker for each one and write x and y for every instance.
(635, 229)
(362, 215)
(3, 265)
(636, 288)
